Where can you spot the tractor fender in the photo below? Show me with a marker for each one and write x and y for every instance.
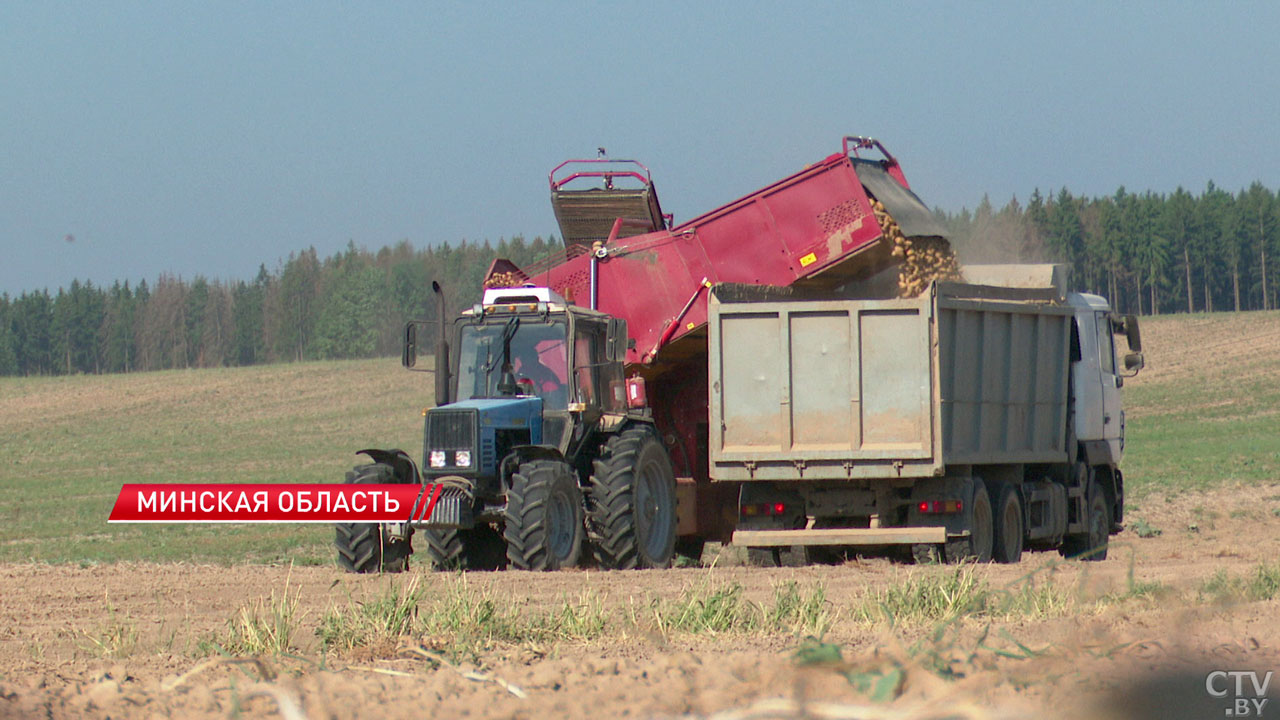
(406, 470)
(521, 454)
(628, 422)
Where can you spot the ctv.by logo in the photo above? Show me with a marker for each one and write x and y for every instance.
(1220, 683)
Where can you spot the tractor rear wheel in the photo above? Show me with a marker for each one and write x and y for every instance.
(368, 547)
(632, 502)
(544, 525)
(480, 548)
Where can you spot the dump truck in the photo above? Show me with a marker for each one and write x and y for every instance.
(577, 417)
(973, 421)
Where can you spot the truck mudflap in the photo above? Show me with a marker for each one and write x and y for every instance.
(841, 536)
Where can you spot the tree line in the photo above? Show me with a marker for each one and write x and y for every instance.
(351, 305)
(1150, 253)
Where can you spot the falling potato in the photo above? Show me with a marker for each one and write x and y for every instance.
(924, 259)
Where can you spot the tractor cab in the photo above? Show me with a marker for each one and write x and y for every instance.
(528, 374)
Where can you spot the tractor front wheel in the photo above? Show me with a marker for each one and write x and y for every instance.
(368, 547)
(480, 548)
(544, 526)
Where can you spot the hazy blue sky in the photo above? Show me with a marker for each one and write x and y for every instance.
(211, 137)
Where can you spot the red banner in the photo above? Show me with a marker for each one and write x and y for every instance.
(273, 503)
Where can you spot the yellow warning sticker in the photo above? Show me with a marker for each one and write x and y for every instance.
(690, 326)
(808, 260)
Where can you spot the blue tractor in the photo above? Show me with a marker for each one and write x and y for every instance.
(544, 462)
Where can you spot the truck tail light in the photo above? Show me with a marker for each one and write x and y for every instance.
(636, 396)
(939, 507)
(758, 509)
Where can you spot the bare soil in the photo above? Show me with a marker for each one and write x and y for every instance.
(55, 621)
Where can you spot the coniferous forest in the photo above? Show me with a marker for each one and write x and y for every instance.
(1148, 253)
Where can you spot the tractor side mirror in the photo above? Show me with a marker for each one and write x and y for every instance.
(409, 358)
(616, 341)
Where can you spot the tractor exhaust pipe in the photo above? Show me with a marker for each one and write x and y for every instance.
(442, 348)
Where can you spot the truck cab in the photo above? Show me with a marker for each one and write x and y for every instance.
(1096, 375)
(1097, 412)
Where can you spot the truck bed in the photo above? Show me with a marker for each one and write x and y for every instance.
(867, 389)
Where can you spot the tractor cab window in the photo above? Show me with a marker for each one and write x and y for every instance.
(588, 351)
(539, 360)
(599, 382)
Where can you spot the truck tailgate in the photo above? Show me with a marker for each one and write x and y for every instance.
(823, 389)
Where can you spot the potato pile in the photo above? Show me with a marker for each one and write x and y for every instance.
(504, 280)
(924, 259)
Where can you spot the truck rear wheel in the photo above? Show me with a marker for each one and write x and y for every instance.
(926, 553)
(1091, 545)
(544, 525)
(480, 548)
(1008, 532)
(632, 509)
(977, 546)
(368, 547)
(786, 556)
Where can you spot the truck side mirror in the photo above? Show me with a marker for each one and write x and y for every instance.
(1132, 334)
(1133, 362)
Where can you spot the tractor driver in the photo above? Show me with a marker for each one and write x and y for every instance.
(535, 378)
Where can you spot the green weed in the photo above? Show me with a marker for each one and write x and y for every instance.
(800, 612)
(463, 621)
(711, 608)
(1144, 529)
(382, 619)
(928, 598)
(706, 609)
(116, 639)
(265, 626)
(1262, 584)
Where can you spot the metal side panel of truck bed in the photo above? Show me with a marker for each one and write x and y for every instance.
(869, 389)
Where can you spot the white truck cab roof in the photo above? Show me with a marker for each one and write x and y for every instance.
(1088, 300)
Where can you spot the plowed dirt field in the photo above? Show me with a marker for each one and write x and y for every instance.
(123, 640)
